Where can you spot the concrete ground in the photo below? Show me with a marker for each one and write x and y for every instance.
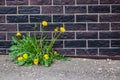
(76, 69)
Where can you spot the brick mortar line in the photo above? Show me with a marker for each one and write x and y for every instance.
(40, 9)
(110, 45)
(99, 2)
(72, 31)
(110, 9)
(5, 3)
(29, 19)
(6, 36)
(86, 27)
(61, 22)
(17, 28)
(98, 50)
(63, 5)
(67, 23)
(75, 52)
(63, 9)
(52, 19)
(91, 39)
(75, 2)
(98, 35)
(5, 19)
(75, 19)
(64, 14)
(52, 3)
(17, 10)
(29, 3)
(82, 48)
(75, 35)
(98, 18)
(86, 44)
(110, 26)
(87, 9)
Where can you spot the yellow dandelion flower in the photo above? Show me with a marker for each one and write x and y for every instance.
(20, 58)
(44, 23)
(36, 61)
(55, 52)
(62, 29)
(46, 56)
(25, 55)
(56, 29)
(18, 34)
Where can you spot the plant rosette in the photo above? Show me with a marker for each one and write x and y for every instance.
(28, 50)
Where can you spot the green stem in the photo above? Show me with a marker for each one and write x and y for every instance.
(41, 38)
(35, 31)
(53, 41)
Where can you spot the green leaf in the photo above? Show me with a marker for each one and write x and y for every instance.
(14, 47)
(16, 61)
(28, 64)
(16, 40)
(13, 54)
(46, 63)
(20, 63)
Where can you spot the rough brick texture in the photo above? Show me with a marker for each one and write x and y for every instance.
(92, 26)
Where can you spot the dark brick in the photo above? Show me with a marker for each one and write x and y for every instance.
(28, 27)
(99, 9)
(86, 52)
(2, 2)
(40, 18)
(17, 2)
(5, 44)
(110, 52)
(66, 52)
(17, 19)
(8, 10)
(98, 43)
(98, 26)
(63, 2)
(75, 26)
(58, 44)
(110, 1)
(8, 27)
(86, 18)
(10, 35)
(87, 1)
(52, 9)
(63, 18)
(28, 10)
(51, 27)
(2, 51)
(2, 36)
(110, 35)
(86, 35)
(75, 43)
(38, 35)
(115, 43)
(40, 2)
(75, 9)
(116, 9)
(115, 26)
(110, 18)
(67, 35)
(2, 19)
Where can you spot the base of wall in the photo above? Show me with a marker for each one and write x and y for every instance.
(97, 57)
(92, 57)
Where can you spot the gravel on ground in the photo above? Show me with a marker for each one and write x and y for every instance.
(75, 69)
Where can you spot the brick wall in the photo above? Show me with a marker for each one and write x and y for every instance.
(93, 26)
